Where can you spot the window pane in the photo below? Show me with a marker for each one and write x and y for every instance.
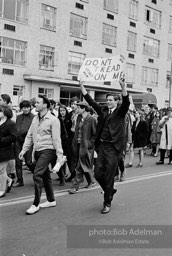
(131, 44)
(75, 61)
(46, 58)
(21, 13)
(153, 17)
(48, 17)
(150, 76)
(41, 90)
(13, 51)
(1, 8)
(133, 9)
(78, 26)
(170, 51)
(111, 5)
(130, 74)
(109, 35)
(151, 47)
(9, 9)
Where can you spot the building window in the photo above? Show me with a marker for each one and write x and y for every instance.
(150, 76)
(151, 47)
(48, 17)
(153, 17)
(170, 24)
(66, 96)
(18, 90)
(46, 57)
(49, 93)
(75, 61)
(78, 26)
(12, 51)
(109, 35)
(111, 5)
(131, 42)
(133, 9)
(16, 10)
(170, 51)
(130, 73)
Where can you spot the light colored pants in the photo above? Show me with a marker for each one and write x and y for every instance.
(3, 176)
(11, 166)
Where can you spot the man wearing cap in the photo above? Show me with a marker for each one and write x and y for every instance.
(109, 141)
(83, 147)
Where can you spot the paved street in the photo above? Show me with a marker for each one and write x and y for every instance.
(143, 199)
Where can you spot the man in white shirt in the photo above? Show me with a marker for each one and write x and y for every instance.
(44, 135)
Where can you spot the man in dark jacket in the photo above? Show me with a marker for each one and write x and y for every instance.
(110, 139)
(23, 123)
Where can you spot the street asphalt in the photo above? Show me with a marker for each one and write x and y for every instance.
(144, 200)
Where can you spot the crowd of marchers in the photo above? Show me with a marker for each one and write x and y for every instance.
(43, 131)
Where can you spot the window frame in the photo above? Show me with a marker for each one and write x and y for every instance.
(70, 62)
(47, 49)
(8, 46)
(150, 19)
(130, 66)
(134, 5)
(83, 26)
(46, 92)
(170, 24)
(107, 5)
(147, 48)
(151, 76)
(52, 18)
(132, 41)
(111, 37)
(19, 90)
(169, 56)
(19, 19)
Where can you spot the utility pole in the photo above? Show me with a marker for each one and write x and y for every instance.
(170, 86)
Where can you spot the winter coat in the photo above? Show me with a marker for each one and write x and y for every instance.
(166, 137)
(156, 131)
(23, 123)
(86, 150)
(8, 136)
(139, 134)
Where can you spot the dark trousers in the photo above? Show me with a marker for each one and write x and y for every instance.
(162, 155)
(120, 167)
(19, 163)
(42, 176)
(105, 169)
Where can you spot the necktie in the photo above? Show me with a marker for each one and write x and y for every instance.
(110, 111)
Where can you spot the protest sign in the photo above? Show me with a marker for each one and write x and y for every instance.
(102, 69)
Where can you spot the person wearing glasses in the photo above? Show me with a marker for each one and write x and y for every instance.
(109, 139)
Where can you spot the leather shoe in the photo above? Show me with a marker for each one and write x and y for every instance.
(160, 162)
(18, 184)
(106, 209)
(128, 166)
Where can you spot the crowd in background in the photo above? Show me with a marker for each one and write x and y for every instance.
(145, 128)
